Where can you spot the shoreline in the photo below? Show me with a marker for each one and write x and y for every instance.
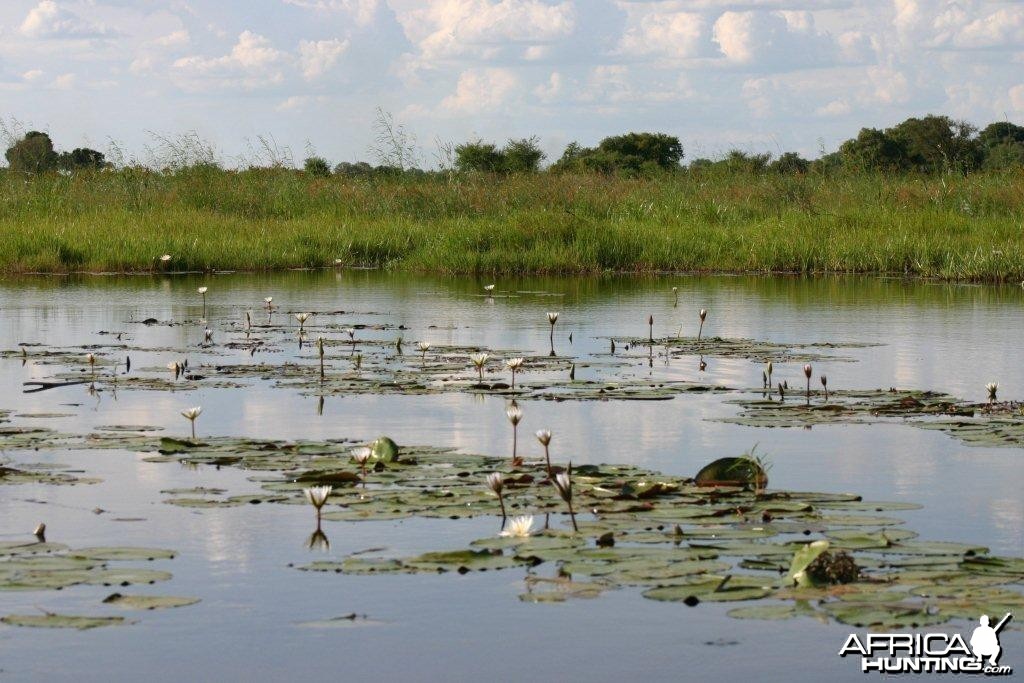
(793, 274)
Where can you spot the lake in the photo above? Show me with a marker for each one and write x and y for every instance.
(253, 621)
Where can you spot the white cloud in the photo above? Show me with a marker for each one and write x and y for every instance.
(174, 39)
(48, 20)
(1016, 94)
(482, 90)
(551, 89)
(673, 34)
(362, 11)
(318, 57)
(447, 28)
(252, 63)
(834, 108)
(959, 24)
(32, 75)
(64, 81)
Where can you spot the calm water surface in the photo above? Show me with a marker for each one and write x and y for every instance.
(935, 336)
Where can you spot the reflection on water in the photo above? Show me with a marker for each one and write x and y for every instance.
(937, 336)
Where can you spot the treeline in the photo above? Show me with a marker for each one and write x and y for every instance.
(928, 145)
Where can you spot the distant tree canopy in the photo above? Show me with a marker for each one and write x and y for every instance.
(517, 156)
(35, 154)
(932, 144)
(630, 154)
(318, 167)
(82, 158)
(929, 144)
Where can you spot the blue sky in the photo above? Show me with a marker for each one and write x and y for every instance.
(761, 75)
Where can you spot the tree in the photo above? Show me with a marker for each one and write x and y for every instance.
(82, 158)
(32, 154)
(1007, 154)
(742, 162)
(632, 154)
(1003, 145)
(873, 150)
(523, 156)
(360, 168)
(1000, 132)
(318, 167)
(790, 163)
(479, 157)
(634, 150)
(936, 144)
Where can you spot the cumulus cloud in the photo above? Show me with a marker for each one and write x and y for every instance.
(48, 20)
(482, 90)
(550, 89)
(318, 57)
(773, 40)
(174, 39)
(834, 108)
(959, 24)
(252, 62)
(362, 11)
(448, 28)
(1016, 94)
(669, 33)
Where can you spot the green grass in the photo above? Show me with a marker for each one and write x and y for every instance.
(969, 228)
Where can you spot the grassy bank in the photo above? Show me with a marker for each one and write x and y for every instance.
(968, 228)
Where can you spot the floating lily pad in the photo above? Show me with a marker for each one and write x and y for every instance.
(62, 621)
(148, 602)
(124, 553)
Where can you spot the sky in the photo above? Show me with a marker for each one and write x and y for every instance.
(309, 75)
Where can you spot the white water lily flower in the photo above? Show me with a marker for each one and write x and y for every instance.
(544, 436)
(173, 366)
(362, 454)
(495, 482)
(703, 314)
(90, 358)
(552, 317)
(807, 371)
(165, 258)
(350, 331)
(514, 413)
(317, 495)
(203, 290)
(519, 527)
(302, 317)
(479, 359)
(423, 346)
(564, 485)
(268, 300)
(514, 363)
(192, 413)
(488, 288)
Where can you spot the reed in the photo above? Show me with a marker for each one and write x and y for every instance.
(950, 227)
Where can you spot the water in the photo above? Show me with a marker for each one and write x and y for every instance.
(935, 336)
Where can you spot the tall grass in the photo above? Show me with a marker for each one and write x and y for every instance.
(969, 228)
